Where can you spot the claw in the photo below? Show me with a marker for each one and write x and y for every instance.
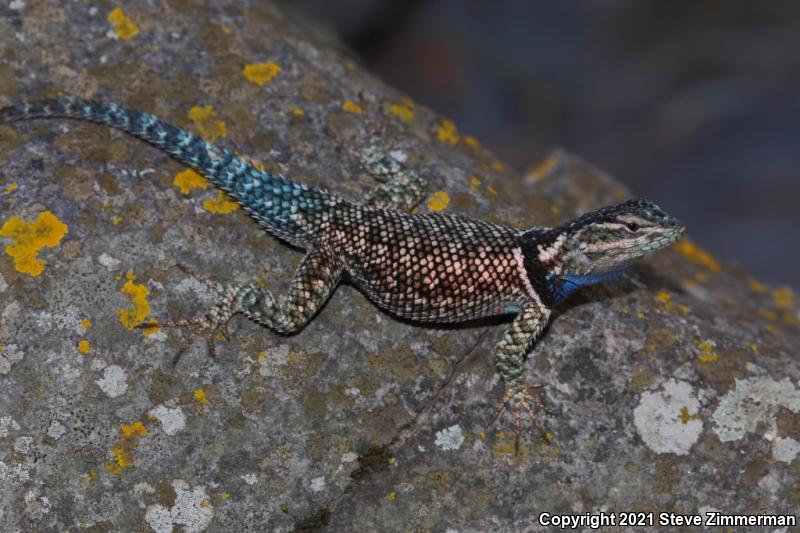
(210, 283)
(206, 326)
(531, 403)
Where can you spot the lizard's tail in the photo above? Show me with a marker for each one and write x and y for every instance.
(273, 200)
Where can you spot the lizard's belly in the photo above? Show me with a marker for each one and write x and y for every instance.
(440, 290)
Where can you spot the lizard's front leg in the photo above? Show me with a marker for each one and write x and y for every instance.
(313, 283)
(400, 188)
(510, 360)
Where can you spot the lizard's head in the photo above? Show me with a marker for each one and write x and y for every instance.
(607, 240)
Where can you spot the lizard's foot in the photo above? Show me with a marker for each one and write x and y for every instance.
(524, 397)
(208, 325)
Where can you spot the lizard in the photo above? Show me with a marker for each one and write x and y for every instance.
(422, 267)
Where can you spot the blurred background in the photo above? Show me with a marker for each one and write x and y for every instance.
(695, 105)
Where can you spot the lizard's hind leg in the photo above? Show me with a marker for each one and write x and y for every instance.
(313, 283)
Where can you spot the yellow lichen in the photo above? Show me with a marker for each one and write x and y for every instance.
(134, 316)
(392, 496)
(123, 25)
(707, 353)
(11, 187)
(438, 201)
(224, 496)
(404, 110)
(206, 122)
(29, 238)
(116, 220)
(447, 132)
(86, 323)
(686, 417)
(757, 287)
(298, 112)
(352, 107)
(221, 204)
(135, 429)
(188, 180)
(471, 141)
(474, 183)
(543, 169)
(783, 298)
(695, 254)
(663, 297)
(767, 314)
(497, 166)
(200, 396)
(261, 73)
(83, 346)
(122, 450)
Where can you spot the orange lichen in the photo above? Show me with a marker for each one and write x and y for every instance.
(188, 180)
(663, 297)
(123, 25)
(206, 122)
(352, 107)
(221, 204)
(86, 323)
(404, 110)
(138, 294)
(695, 254)
(261, 73)
(438, 201)
(29, 238)
(447, 132)
(83, 346)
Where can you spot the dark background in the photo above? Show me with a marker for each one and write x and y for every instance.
(693, 104)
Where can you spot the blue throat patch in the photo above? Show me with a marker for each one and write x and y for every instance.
(563, 286)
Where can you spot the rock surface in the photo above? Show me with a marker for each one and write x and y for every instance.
(677, 388)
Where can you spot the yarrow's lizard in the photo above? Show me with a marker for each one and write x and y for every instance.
(422, 267)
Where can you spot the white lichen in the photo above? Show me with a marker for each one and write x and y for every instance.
(10, 354)
(172, 419)
(114, 382)
(318, 484)
(754, 401)
(450, 438)
(785, 449)
(666, 420)
(192, 510)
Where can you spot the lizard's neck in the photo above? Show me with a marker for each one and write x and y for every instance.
(548, 266)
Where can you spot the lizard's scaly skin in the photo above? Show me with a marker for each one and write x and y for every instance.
(422, 267)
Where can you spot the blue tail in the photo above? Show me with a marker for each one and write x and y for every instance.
(278, 203)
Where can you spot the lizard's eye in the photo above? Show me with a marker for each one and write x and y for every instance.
(633, 227)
